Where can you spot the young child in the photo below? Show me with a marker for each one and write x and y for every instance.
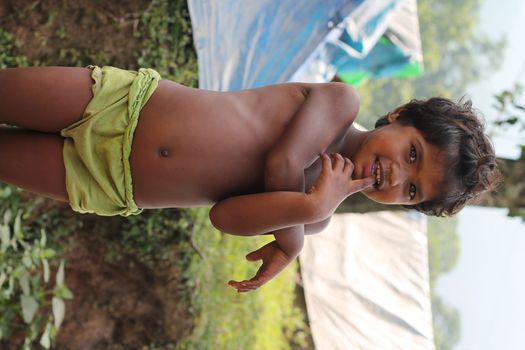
(260, 156)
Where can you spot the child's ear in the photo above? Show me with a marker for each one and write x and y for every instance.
(393, 115)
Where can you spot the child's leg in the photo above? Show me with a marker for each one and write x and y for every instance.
(33, 161)
(44, 98)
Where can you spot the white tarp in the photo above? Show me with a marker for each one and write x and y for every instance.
(366, 283)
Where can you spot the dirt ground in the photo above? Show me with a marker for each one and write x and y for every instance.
(122, 305)
(66, 32)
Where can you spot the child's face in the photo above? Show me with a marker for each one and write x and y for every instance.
(409, 169)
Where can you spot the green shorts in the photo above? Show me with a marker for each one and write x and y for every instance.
(97, 148)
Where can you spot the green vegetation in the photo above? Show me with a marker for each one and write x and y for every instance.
(29, 302)
(447, 324)
(8, 56)
(443, 255)
(509, 105)
(186, 263)
(167, 45)
(226, 319)
(444, 246)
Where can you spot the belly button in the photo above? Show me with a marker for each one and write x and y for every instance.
(164, 153)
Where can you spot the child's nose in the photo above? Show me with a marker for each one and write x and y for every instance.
(399, 174)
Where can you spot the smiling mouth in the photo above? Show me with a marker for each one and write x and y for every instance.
(377, 174)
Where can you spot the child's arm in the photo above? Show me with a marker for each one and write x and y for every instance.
(277, 210)
(327, 111)
(261, 213)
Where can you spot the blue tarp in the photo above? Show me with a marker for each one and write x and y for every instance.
(244, 44)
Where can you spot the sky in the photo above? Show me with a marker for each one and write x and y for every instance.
(488, 284)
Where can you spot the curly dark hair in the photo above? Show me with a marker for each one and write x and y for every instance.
(469, 156)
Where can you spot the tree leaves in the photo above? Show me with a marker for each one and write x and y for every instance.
(60, 274)
(29, 307)
(45, 339)
(510, 109)
(59, 311)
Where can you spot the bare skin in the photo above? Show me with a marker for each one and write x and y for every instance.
(255, 153)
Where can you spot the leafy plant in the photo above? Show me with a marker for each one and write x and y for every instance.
(149, 237)
(8, 56)
(165, 30)
(511, 111)
(28, 300)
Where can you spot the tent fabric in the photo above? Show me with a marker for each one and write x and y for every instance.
(366, 283)
(380, 38)
(245, 44)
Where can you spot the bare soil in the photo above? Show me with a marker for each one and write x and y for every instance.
(60, 32)
(120, 306)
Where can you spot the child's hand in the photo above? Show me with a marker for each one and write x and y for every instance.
(335, 183)
(274, 261)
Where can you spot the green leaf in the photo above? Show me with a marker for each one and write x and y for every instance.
(48, 254)
(29, 307)
(45, 339)
(62, 292)
(45, 266)
(3, 278)
(26, 260)
(5, 237)
(43, 238)
(60, 274)
(7, 217)
(59, 311)
(10, 286)
(24, 283)
(66, 293)
(18, 226)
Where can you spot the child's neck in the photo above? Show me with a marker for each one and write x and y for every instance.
(352, 142)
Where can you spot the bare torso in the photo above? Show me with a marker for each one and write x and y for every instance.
(195, 147)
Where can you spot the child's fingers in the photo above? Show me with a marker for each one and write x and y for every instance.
(238, 284)
(244, 286)
(348, 166)
(248, 288)
(326, 162)
(361, 184)
(255, 255)
(338, 163)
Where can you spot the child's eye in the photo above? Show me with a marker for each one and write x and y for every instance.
(412, 191)
(412, 155)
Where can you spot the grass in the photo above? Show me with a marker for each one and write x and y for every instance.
(225, 319)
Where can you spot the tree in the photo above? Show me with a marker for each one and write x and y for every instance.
(446, 322)
(511, 193)
(510, 110)
(443, 255)
(444, 247)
